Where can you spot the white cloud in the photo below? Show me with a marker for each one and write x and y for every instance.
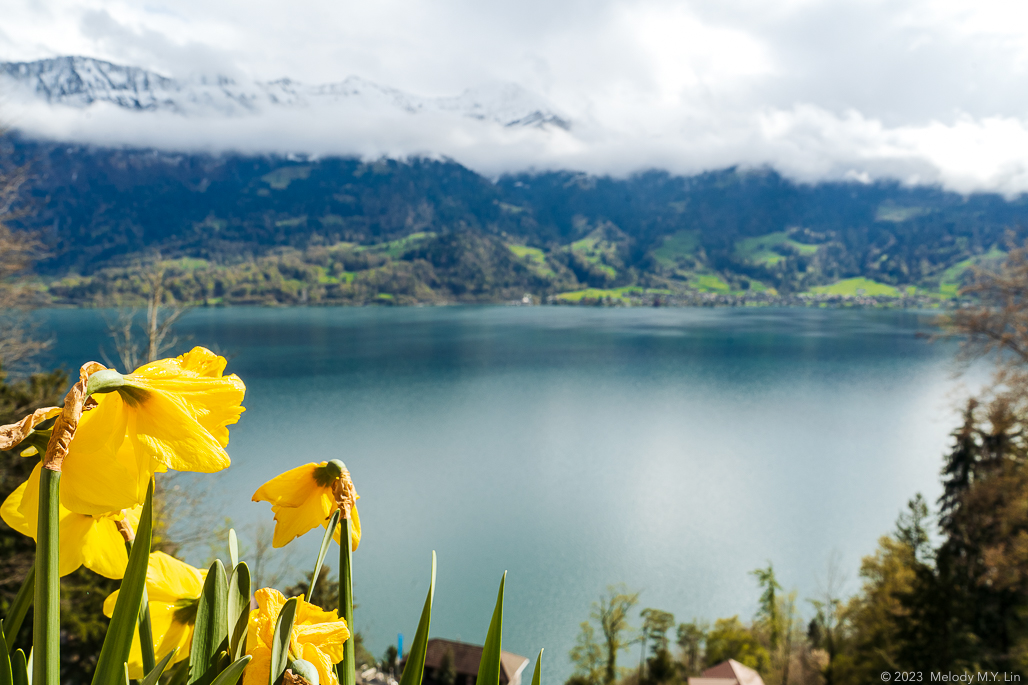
(927, 91)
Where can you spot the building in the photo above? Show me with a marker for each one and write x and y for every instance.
(729, 672)
(465, 659)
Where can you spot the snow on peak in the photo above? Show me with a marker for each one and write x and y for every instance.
(80, 82)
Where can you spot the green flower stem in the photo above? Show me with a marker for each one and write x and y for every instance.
(46, 620)
(145, 629)
(19, 607)
(346, 669)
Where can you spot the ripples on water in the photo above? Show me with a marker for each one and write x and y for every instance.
(672, 449)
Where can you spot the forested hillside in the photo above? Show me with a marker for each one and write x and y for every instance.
(337, 230)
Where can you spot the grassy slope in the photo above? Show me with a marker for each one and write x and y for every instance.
(851, 287)
(760, 249)
(676, 245)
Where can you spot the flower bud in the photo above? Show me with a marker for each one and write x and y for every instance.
(305, 670)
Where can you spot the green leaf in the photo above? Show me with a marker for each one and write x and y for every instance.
(489, 666)
(124, 675)
(537, 676)
(238, 609)
(146, 634)
(415, 667)
(233, 547)
(280, 640)
(46, 619)
(19, 668)
(19, 607)
(118, 640)
(179, 673)
(329, 532)
(154, 675)
(346, 669)
(210, 632)
(145, 628)
(6, 675)
(231, 674)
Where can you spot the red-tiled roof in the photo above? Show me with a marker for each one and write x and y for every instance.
(733, 670)
(466, 658)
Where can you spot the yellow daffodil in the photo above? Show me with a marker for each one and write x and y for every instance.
(173, 588)
(92, 541)
(305, 497)
(317, 637)
(169, 414)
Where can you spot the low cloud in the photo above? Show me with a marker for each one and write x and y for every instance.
(921, 91)
(805, 143)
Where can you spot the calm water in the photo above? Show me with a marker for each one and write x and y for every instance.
(673, 450)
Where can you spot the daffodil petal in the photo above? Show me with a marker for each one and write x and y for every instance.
(135, 658)
(317, 636)
(102, 547)
(100, 472)
(258, 670)
(195, 377)
(14, 511)
(166, 432)
(269, 604)
(292, 522)
(163, 625)
(312, 613)
(109, 603)
(73, 530)
(327, 637)
(171, 580)
(168, 581)
(355, 528)
(20, 511)
(322, 662)
(173, 635)
(289, 489)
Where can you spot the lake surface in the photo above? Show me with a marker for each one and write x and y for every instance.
(673, 450)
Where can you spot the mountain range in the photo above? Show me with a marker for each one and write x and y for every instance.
(260, 228)
(80, 82)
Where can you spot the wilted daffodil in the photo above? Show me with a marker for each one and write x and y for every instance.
(317, 638)
(305, 497)
(169, 414)
(173, 588)
(92, 541)
(31, 434)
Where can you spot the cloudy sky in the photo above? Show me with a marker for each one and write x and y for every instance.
(924, 91)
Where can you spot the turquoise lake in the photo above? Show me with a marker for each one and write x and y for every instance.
(674, 450)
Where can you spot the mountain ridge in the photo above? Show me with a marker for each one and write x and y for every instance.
(341, 230)
(81, 82)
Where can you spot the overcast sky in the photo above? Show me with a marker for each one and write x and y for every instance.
(930, 91)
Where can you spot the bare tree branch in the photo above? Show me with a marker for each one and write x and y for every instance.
(18, 251)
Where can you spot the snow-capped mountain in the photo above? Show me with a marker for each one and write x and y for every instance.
(81, 82)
